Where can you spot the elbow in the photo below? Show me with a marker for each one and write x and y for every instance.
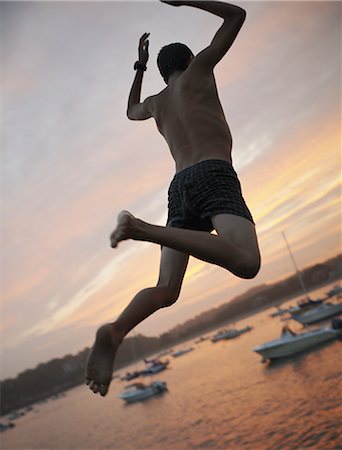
(242, 15)
(238, 17)
(129, 115)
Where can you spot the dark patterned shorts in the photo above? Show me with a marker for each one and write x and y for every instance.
(202, 191)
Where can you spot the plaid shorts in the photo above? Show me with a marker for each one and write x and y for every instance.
(202, 191)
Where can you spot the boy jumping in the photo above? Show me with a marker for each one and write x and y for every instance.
(205, 193)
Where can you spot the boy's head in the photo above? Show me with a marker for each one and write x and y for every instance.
(172, 58)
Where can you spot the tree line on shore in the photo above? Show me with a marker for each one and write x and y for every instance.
(60, 374)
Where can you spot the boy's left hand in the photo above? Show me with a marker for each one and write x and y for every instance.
(143, 48)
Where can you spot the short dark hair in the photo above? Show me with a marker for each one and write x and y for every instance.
(173, 57)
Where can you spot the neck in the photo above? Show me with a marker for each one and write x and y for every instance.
(174, 76)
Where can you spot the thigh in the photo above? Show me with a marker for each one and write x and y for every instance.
(173, 264)
(238, 231)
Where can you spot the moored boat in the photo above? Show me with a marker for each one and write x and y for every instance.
(291, 343)
(320, 312)
(154, 366)
(137, 392)
(336, 290)
(182, 351)
(229, 334)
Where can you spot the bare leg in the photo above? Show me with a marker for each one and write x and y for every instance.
(234, 248)
(108, 338)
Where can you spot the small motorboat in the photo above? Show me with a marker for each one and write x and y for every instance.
(182, 351)
(291, 343)
(229, 334)
(201, 339)
(279, 312)
(6, 426)
(137, 392)
(320, 312)
(154, 366)
(302, 306)
(336, 290)
(130, 375)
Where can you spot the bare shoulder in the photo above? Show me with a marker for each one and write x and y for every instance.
(154, 102)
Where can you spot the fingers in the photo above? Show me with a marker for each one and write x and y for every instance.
(143, 38)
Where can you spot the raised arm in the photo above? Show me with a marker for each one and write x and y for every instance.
(135, 109)
(233, 17)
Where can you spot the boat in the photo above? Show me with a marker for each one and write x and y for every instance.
(182, 351)
(305, 304)
(130, 375)
(318, 313)
(280, 311)
(154, 366)
(336, 290)
(6, 426)
(201, 339)
(229, 334)
(302, 305)
(165, 352)
(137, 392)
(291, 343)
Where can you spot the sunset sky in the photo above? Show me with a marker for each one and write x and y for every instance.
(72, 160)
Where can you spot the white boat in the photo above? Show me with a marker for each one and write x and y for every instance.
(6, 426)
(182, 351)
(280, 311)
(137, 392)
(229, 334)
(291, 343)
(154, 366)
(201, 339)
(302, 306)
(318, 313)
(336, 290)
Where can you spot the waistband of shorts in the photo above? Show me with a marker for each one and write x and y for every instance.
(208, 163)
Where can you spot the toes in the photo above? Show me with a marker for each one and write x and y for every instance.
(92, 386)
(103, 389)
(95, 388)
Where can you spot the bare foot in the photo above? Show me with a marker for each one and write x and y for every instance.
(101, 359)
(123, 229)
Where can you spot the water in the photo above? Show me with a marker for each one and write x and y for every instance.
(220, 397)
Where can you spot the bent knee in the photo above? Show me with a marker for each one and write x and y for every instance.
(248, 267)
(251, 268)
(251, 272)
(169, 295)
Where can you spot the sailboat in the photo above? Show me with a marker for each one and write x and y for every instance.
(308, 311)
(305, 304)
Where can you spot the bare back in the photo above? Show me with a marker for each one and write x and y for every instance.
(189, 115)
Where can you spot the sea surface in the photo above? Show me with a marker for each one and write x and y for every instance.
(220, 397)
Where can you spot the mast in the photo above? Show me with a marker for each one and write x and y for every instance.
(298, 273)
